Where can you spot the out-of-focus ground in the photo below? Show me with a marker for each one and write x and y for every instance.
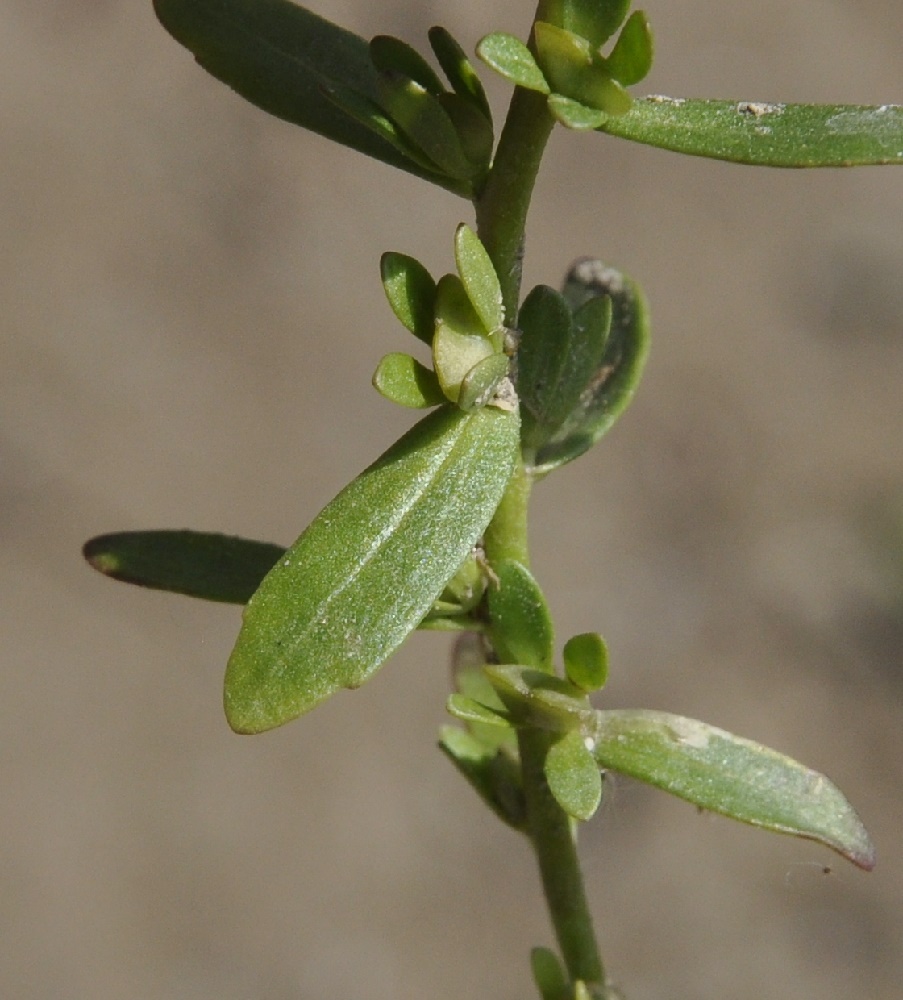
(191, 313)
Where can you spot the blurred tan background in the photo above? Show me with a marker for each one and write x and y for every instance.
(191, 315)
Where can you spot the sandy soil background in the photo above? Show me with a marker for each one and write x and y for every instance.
(191, 315)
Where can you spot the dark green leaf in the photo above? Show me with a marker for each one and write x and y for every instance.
(614, 382)
(371, 115)
(282, 58)
(459, 70)
(392, 55)
(521, 624)
(727, 774)
(631, 58)
(773, 135)
(586, 661)
(511, 58)
(367, 570)
(573, 776)
(494, 774)
(404, 380)
(196, 563)
(411, 292)
(556, 361)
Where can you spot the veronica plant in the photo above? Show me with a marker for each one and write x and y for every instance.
(433, 535)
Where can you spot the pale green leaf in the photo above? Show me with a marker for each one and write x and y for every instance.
(511, 58)
(765, 134)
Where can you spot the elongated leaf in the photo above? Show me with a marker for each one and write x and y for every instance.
(459, 70)
(479, 278)
(702, 764)
(772, 135)
(196, 563)
(367, 570)
(727, 774)
(281, 57)
(631, 58)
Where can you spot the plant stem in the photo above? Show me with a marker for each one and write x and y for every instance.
(506, 536)
(502, 205)
(501, 212)
(556, 851)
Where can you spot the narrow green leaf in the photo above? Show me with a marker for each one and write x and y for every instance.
(772, 135)
(424, 121)
(727, 774)
(392, 55)
(594, 20)
(459, 70)
(405, 381)
(521, 623)
(511, 58)
(479, 278)
(196, 563)
(573, 776)
(493, 774)
(282, 58)
(411, 292)
(357, 582)
(612, 386)
(548, 974)
(586, 661)
(467, 710)
(631, 57)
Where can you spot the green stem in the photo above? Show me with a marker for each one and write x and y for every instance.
(506, 536)
(502, 205)
(556, 851)
(501, 212)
